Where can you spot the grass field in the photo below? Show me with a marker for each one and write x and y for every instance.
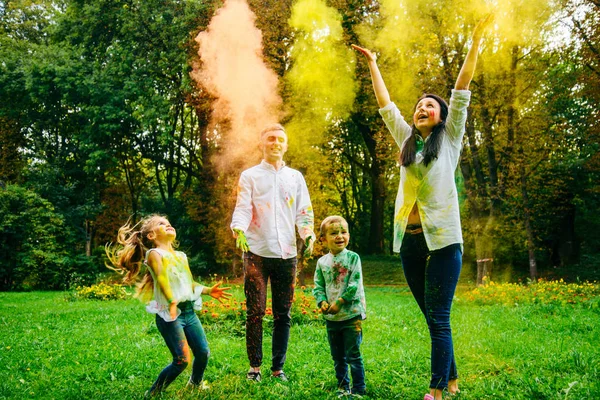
(55, 349)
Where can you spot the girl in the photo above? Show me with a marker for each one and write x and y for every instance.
(427, 229)
(175, 295)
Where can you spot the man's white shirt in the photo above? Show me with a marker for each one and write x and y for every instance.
(270, 204)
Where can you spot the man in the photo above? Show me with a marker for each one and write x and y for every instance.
(272, 199)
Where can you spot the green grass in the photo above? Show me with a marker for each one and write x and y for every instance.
(54, 349)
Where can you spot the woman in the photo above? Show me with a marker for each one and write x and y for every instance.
(427, 230)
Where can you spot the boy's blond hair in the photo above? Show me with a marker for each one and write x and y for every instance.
(331, 220)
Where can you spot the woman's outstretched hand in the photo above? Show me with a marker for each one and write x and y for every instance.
(468, 68)
(482, 25)
(381, 92)
(369, 55)
(219, 293)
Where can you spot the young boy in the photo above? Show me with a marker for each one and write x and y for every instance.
(340, 296)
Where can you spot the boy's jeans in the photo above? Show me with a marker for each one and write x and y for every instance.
(432, 277)
(257, 271)
(185, 330)
(345, 338)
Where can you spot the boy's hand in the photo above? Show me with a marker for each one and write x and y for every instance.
(309, 245)
(324, 307)
(219, 293)
(173, 309)
(334, 308)
(369, 55)
(240, 240)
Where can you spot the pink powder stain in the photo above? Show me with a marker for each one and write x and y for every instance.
(431, 114)
(232, 69)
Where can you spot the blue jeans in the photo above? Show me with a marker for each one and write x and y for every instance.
(432, 277)
(345, 338)
(257, 271)
(181, 335)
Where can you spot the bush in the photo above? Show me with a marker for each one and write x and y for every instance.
(31, 242)
(100, 291)
(304, 310)
(542, 292)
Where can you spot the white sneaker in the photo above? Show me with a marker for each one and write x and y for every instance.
(201, 386)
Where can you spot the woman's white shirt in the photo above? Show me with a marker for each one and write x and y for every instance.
(431, 187)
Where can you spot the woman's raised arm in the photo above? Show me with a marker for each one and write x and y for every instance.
(381, 92)
(468, 67)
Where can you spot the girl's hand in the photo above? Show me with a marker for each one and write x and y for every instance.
(369, 55)
(173, 309)
(219, 293)
(481, 26)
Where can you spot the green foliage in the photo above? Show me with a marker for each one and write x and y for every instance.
(104, 122)
(31, 241)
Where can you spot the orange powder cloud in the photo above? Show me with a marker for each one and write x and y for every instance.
(233, 71)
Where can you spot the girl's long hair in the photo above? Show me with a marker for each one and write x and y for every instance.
(128, 255)
(432, 146)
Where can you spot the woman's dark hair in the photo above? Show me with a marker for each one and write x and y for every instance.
(432, 145)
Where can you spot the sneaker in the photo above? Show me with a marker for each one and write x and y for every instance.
(200, 386)
(281, 376)
(343, 393)
(358, 393)
(428, 397)
(253, 376)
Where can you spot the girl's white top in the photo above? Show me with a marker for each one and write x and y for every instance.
(180, 281)
(431, 187)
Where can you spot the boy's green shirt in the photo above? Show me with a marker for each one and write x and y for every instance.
(341, 276)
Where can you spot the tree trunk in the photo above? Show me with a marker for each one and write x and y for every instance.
(377, 210)
(89, 237)
(484, 247)
(533, 273)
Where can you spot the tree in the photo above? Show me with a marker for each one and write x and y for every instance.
(31, 237)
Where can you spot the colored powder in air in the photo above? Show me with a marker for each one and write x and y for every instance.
(233, 71)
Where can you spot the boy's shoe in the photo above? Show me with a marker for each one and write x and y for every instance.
(281, 376)
(253, 376)
(358, 393)
(343, 393)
